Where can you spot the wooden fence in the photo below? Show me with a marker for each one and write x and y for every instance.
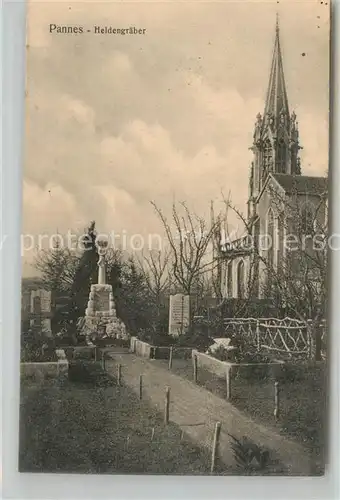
(288, 336)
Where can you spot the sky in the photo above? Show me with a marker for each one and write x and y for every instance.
(114, 122)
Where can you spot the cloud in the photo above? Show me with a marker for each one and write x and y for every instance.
(50, 208)
(314, 136)
(114, 122)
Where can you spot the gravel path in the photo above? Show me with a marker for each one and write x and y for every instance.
(196, 411)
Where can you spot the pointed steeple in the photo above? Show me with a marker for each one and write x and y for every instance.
(276, 137)
(277, 101)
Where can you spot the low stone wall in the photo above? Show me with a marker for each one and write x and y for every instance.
(223, 368)
(40, 371)
(143, 349)
(133, 341)
(158, 352)
(215, 366)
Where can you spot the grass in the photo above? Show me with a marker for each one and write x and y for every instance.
(85, 429)
(302, 402)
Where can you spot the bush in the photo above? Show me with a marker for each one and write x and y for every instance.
(249, 457)
(88, 372)
(34, 350)
(84, 353)
(196, 340)
(221, 354)
(294, 372)
(109, 341)
(156, 339)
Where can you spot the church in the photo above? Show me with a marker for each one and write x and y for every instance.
(276, 182)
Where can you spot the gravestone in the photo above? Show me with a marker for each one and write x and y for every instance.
(179, 314)
(40, 310)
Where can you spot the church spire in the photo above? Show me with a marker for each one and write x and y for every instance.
(276, 101)
(276, 136)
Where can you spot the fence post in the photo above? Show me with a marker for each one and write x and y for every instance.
(277, 400)
(103, 360)
(96, 353)
(194, 360)
(140, 386)
(323, 337)
(310, 339)
(215, 446)
(320, 328)
(228, 381)
(257, 335)
(167, 404)
(119, 374)
(170, 357)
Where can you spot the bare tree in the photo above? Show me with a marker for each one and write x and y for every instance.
(156, 268)
(190, 239)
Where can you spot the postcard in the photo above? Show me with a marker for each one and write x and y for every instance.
(175, 238)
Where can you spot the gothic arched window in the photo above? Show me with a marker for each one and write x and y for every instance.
(307, 221)
(281, 235)
(255, 275)
(240, 280)
(36, 305)
(256, 235)
(37, 311)
(281, 157)
(230, 279)
(267, 157)
(270, 237)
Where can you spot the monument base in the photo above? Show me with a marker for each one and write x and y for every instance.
(100, 316)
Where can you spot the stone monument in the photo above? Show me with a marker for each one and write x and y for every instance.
(100, 315)
(179, 314)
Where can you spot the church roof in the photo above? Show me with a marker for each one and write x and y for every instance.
(302, 183)
(276, 101)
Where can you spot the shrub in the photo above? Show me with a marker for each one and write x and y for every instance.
(84, 353)
(199, 342)
(81, 371)
(156, 339)
(109, 341)
(222, 354)
(292, 372)
(195, 337)
(88, 372)
(35, 350)
(249, 457)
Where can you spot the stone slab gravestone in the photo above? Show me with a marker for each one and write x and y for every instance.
(179, 314)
